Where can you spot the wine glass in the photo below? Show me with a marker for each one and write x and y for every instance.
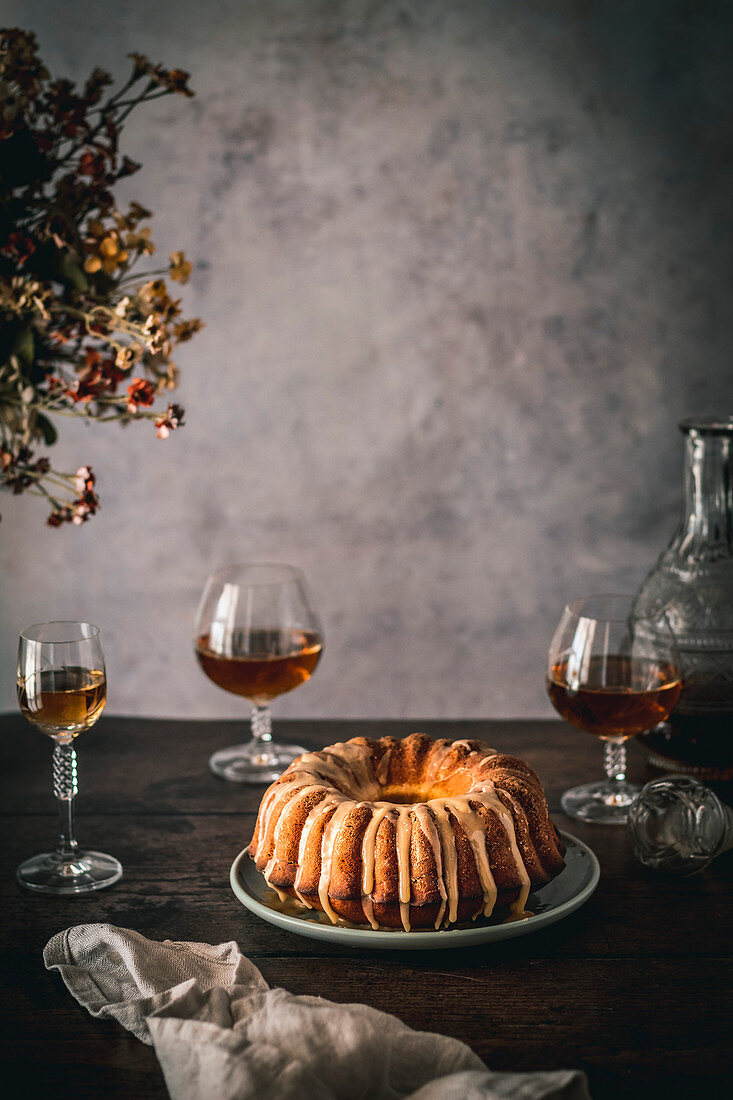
(614, 677)
(258, 636)
(62, 689)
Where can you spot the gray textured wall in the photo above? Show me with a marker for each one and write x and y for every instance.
(463, 266)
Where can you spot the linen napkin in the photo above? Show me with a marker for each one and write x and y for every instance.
(220, 1033)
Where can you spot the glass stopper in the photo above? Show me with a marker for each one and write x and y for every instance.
(679, 825)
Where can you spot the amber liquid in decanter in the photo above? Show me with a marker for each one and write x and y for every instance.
(260, 664)
(66, 700)
(619, 697)
(699, 744)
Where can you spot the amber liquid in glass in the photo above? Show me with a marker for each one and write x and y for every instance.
(63, 701)
(260, 664)
(619, 697)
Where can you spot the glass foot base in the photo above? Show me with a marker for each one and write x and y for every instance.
(254, 763)
(605, 802)
(50, 873)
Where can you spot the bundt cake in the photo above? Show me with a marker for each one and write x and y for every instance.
(414, 833)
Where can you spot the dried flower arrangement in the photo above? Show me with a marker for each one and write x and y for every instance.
(81, 333)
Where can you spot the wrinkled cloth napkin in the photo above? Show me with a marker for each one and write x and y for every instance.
(220, 1033)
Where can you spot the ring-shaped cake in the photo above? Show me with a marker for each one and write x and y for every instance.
(413, 833)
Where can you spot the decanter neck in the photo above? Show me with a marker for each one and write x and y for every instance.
(706, 529)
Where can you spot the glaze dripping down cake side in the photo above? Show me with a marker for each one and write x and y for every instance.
(406, 834)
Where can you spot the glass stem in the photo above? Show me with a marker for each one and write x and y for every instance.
(614, 761)
(65, 787)
(261, 721)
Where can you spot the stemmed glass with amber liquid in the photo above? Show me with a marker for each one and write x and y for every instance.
(257, 635)
(62, 690)
(610, 675)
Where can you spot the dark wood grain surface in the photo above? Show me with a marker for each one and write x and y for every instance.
(634, 988)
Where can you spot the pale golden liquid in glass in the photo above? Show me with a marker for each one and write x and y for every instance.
(63, 702)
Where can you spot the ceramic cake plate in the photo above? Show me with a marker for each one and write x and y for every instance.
(558, 899)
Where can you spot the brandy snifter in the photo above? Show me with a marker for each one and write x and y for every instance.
(257, 635)
(612, 677)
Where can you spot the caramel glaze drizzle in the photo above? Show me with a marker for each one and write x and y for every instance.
(347, 765)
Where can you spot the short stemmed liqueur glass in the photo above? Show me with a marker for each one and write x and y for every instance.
(610, 676)
(62, 690)
(257, 635)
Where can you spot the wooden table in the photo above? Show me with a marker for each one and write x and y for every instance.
(633, 988)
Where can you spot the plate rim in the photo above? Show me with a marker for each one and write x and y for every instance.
(433, 939)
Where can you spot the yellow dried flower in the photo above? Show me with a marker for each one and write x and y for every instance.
(140, 240)
(153, 293)
(180, 268)
(184, 330)
(107, 251)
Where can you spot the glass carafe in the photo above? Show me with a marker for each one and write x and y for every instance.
(692, 583)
